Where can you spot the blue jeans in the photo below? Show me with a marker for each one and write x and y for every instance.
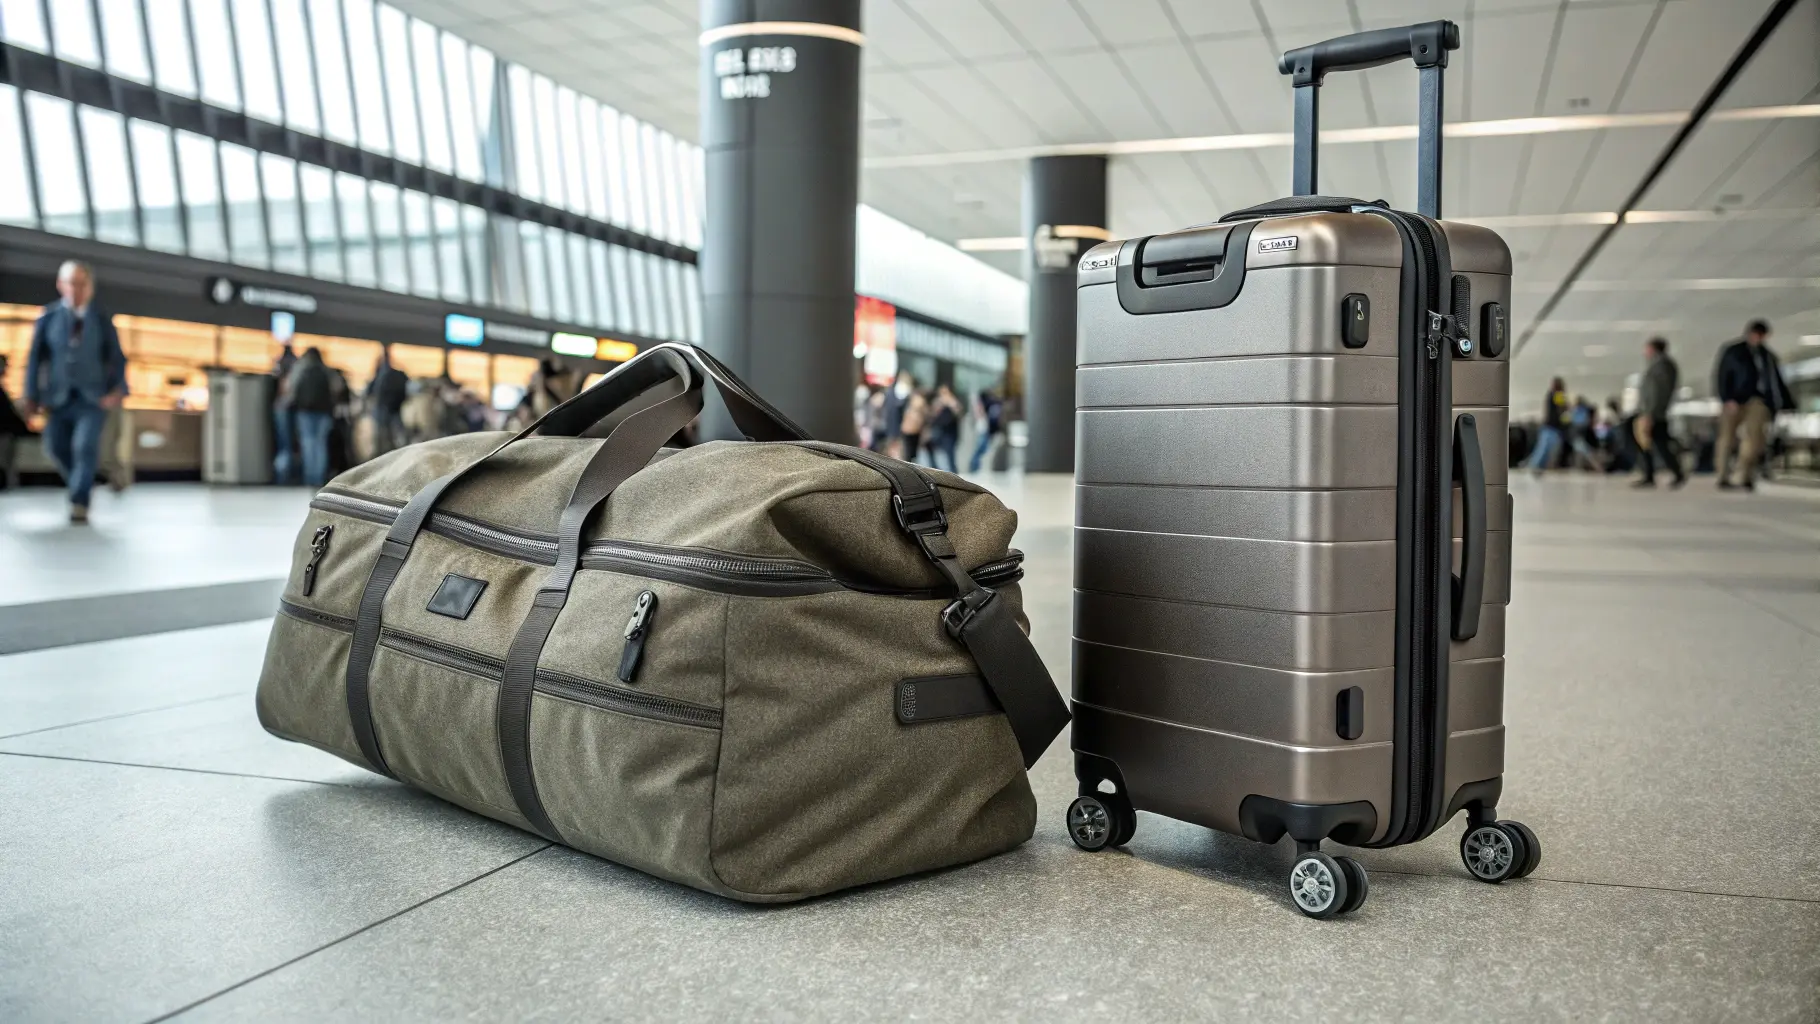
(72, 438)
(1547, 444)
(979, 452)
(313, 438)
(284, 429)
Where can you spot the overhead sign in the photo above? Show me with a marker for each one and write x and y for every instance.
(463, 330)
(225, 291)
(615, 351)
(517, 335)
(573, 344)
(284, 325)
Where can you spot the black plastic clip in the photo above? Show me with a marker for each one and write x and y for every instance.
(956, 616)
(923, 513)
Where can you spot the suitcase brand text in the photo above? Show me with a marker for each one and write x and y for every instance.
(1278, 244)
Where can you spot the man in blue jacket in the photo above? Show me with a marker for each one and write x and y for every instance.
(1748, 380)
(76, 374)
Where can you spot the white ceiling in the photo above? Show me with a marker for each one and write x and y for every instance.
(961, 76)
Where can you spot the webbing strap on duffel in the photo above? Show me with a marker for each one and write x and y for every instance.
(626, 450)
(986, 626)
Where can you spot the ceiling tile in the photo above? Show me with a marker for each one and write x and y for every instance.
(1126, 22)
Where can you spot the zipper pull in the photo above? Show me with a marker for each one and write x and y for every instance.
(319, 546)
(637, 627)
(1440, 330)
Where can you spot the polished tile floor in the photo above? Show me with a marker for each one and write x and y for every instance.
(161, 856)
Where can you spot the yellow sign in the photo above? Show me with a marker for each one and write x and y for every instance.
(615, 351)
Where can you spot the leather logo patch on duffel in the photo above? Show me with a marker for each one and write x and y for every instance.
(456, 597)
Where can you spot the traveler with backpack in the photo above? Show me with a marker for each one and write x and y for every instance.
(312, 400)
(385, 395)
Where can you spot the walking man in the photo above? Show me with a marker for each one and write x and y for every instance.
(1660, 377)
(1749, 381)
(1553, 436)
(76, 374)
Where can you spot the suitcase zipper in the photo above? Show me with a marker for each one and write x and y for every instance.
(1424, 687)
(559, 684)
(744, 574)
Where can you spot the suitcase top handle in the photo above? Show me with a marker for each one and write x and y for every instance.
(1425, 44)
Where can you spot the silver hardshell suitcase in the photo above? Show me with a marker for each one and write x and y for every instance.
(1276, 631)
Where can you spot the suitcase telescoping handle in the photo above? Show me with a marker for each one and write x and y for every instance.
(1426, 44)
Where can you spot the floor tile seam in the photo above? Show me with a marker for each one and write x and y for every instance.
(123, 714)
(173, 768)
(395, 915)
(1768, 609)
(1809, 901)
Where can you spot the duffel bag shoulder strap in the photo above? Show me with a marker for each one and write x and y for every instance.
(986, 626)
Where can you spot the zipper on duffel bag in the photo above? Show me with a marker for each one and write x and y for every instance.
(557, 684)
(708, 570)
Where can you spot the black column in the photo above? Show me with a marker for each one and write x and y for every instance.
(1064, 215)
(780, 109)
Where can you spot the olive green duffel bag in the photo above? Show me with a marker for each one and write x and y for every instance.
(768, 669)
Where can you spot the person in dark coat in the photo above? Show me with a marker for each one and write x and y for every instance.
(1552, 437)
(312, 396)
(76, 373)
(1748, 380)
(1660, 378)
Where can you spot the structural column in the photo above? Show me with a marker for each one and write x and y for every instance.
(780, 118)
(1064, 215)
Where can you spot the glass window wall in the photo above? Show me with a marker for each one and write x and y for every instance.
(111, 187)
(245, 208)
(167, 24)
(53, 138)
(284, 217)
(321, 218)
(215, 53)
(123, 39)
(198, 175)
(22, 24)
(363, 73)
(258, 72)
(388, 235)
(332, 79)
(160, 206)
(400, 81)
(16, 206)
(369, 78)
(73, 30)
(296, 66)
(420, 244)
(432, 104)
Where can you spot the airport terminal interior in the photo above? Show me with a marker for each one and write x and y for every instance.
(1420, 574)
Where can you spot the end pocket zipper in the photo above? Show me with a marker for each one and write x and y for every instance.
(319, 546)
(636, 628)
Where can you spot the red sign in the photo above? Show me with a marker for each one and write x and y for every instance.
(875, 338)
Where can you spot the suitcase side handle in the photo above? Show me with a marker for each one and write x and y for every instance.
(1469, 470)
(1425, 44)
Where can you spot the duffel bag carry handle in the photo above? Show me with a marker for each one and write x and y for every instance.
(1425, 44)
(593, 412)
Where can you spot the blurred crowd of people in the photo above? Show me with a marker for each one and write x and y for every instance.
(1748, 385)
(321, 425)
(918, 424)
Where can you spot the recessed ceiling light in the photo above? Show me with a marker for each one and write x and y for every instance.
(1810, 339)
